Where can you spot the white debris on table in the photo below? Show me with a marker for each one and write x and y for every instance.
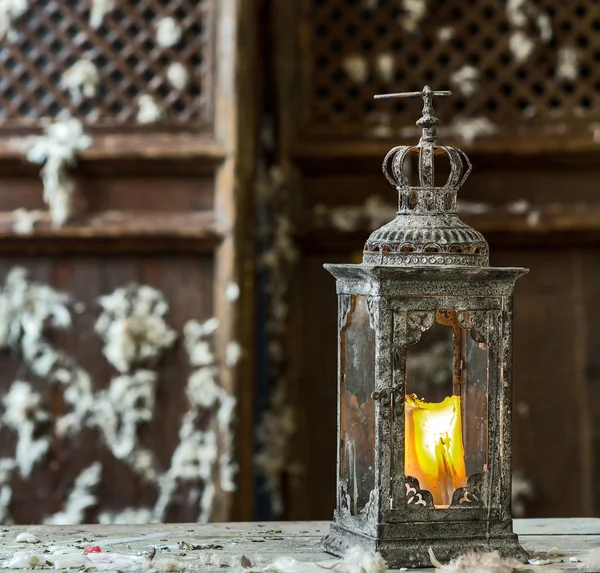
(564, 544)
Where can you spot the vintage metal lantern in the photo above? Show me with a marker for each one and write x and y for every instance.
(424, 415)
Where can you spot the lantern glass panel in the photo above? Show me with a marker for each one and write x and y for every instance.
(446, 409)
(357, 426)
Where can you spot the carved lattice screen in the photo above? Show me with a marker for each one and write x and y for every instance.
(529, 67)
(54, 34)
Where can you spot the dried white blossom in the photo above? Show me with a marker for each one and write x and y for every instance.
(466, 79)
(196, 341)
(415, 12)
(128, 516)
(24, 221)
(275, 458)
(11, 10)
(27, 537)
(24, 412)
(81, 79)
(446, 33)
(233, 354)
(168, 32)
(133, 327)
(178, 75)
(477, 561)
(522, 15)
(355, 560)
(276, 428)
(523, 491)
(119, 410)
(228, 468)
(373, 213)
(232, 292)
(356, 68)
(202, 389)
(521, 45)
(468, 129)
(7, 466)
(567, 67)
(193, 460)
(100, 8)
(386, 65)
(57, 150)
(81, 497)
(148, 110)
(27, 309)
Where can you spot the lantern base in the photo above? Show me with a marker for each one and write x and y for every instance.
(412, 552)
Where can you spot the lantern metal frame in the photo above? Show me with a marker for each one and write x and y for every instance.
(404, 290)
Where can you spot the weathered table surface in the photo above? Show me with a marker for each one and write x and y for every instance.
(218, 547)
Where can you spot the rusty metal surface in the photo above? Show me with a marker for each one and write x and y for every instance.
(427, 230)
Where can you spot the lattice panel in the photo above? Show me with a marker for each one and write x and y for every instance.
(52, 35)
(526, 66)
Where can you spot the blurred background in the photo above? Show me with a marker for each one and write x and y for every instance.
(174, 174)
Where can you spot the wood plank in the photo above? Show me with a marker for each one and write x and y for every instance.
(262, 543)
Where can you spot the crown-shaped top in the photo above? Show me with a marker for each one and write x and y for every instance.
(427, 230)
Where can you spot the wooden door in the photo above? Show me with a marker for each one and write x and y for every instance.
(525, 108)
(127, 344)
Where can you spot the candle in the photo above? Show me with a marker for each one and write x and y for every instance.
(434, 451)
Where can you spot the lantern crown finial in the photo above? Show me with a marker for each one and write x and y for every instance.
(427, 230)
(428, 121)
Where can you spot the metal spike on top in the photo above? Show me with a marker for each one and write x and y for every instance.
(427, 230)
(428, 121)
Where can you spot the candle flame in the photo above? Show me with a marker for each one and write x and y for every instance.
(434, 451)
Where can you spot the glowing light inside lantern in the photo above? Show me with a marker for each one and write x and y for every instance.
(434, 451)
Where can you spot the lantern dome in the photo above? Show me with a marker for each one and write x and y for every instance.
(427, 230)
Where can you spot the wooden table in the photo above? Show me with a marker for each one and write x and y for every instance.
(221, 547)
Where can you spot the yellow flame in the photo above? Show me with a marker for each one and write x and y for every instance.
(434, 451)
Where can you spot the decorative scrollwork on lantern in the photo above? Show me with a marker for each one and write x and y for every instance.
(345, 302)
(415, 495)
(372, 310)
(470, 495)
(418, 322)
(477, 323)
(344, 501)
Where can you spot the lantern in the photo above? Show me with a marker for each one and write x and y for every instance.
(424, 375)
